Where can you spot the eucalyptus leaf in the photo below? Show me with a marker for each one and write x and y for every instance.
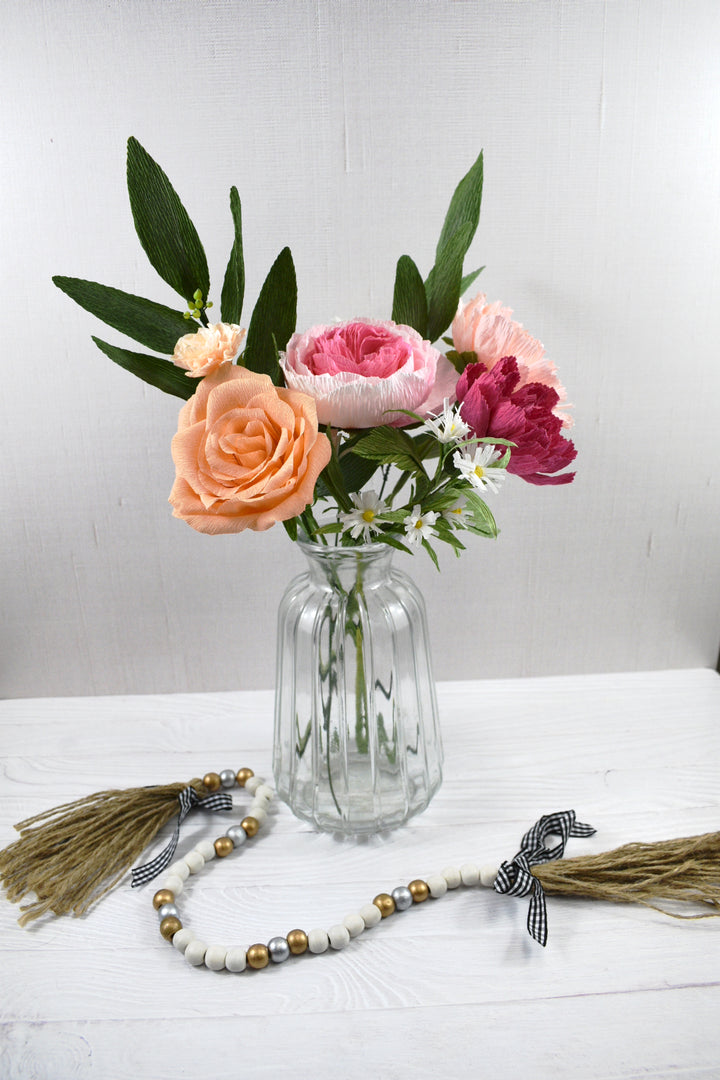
(151, 324)
(409, 299)
(273, 319)
(233, 290)
(151, 369)
(164, 228)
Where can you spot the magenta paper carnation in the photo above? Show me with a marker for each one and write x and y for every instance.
(361, 372)
(488, 330)
(494, 403)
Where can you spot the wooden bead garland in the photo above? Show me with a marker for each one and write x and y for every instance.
(295, 942)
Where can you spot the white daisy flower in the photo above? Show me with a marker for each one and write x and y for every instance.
(446, 426)
(479, 469)
(455, 515)
(361, 521)
(418, 526)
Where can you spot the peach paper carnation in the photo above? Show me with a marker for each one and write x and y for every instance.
(208, 348)
(489, 331)
(247, 454)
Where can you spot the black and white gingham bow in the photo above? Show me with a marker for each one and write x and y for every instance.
(515, 878)
(188, 799)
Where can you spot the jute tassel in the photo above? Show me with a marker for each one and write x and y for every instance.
(686, 870)
(72, 855)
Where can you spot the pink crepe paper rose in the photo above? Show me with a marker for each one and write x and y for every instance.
(489, 331)
(208, 348)
(494, 403)
(246, 453)
(359, 372)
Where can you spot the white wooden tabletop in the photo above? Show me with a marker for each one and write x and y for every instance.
(453, 987)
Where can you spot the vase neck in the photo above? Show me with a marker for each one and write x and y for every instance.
(347, 567)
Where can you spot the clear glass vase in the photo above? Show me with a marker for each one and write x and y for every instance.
(357, 744)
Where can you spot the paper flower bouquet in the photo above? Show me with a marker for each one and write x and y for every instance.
(364, 430)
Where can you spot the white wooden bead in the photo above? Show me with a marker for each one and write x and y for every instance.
(175, 883)
(487, 875)
(318, 941)
(181, 869)
(235, 960)
(182, 939)
(260, 802)
(370, 915)
(339, 936)
(354, 923)
(437, 885)
(470, 873)
(258, 813)
(254, 783)
(206, 849)
(452, 876)
(215, 957)
(194, 861)
(195, 952)
(264, 792)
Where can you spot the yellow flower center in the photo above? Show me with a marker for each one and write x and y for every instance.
(479, 471)
(419, 523)
(456, 510)
(368, 515)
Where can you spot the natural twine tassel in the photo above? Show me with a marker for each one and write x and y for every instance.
(72, 855)
(686, 870)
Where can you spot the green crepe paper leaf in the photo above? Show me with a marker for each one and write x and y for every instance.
(389, 446)
(233, 290)
(391, 541)
(333, 479)
(356, 471)
(431, 552)
(483, 521)
(151, 324)
(443, 286)
(468, 280)
(273, 319)
(291, 528)
(151, 369)
(409, 299)
(164, 228)
(464, 209)
(460, 360)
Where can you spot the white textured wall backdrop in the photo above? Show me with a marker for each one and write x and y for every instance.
(345, 125)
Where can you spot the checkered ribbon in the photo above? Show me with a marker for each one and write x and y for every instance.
(515, 877)
(188, 799)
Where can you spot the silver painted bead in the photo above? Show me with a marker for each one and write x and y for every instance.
(237, 834)
(167, 909)
(227, 778)
(402, 897)
(279, 949)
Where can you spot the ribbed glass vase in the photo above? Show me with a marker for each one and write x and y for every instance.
(357, 745)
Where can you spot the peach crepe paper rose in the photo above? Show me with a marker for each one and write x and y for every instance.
(360, 372)
(208, 348)
(488, 330)
(247, 454)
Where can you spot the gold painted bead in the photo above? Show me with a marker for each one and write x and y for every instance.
(243, 775)
(419, 890)
(258, 957)
(385, 904)
(163, 896)
(223, 846)
(250, 825)
(298, 942)
(212, 781)
(170, 926)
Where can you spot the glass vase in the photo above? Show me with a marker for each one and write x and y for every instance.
(357, 745)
